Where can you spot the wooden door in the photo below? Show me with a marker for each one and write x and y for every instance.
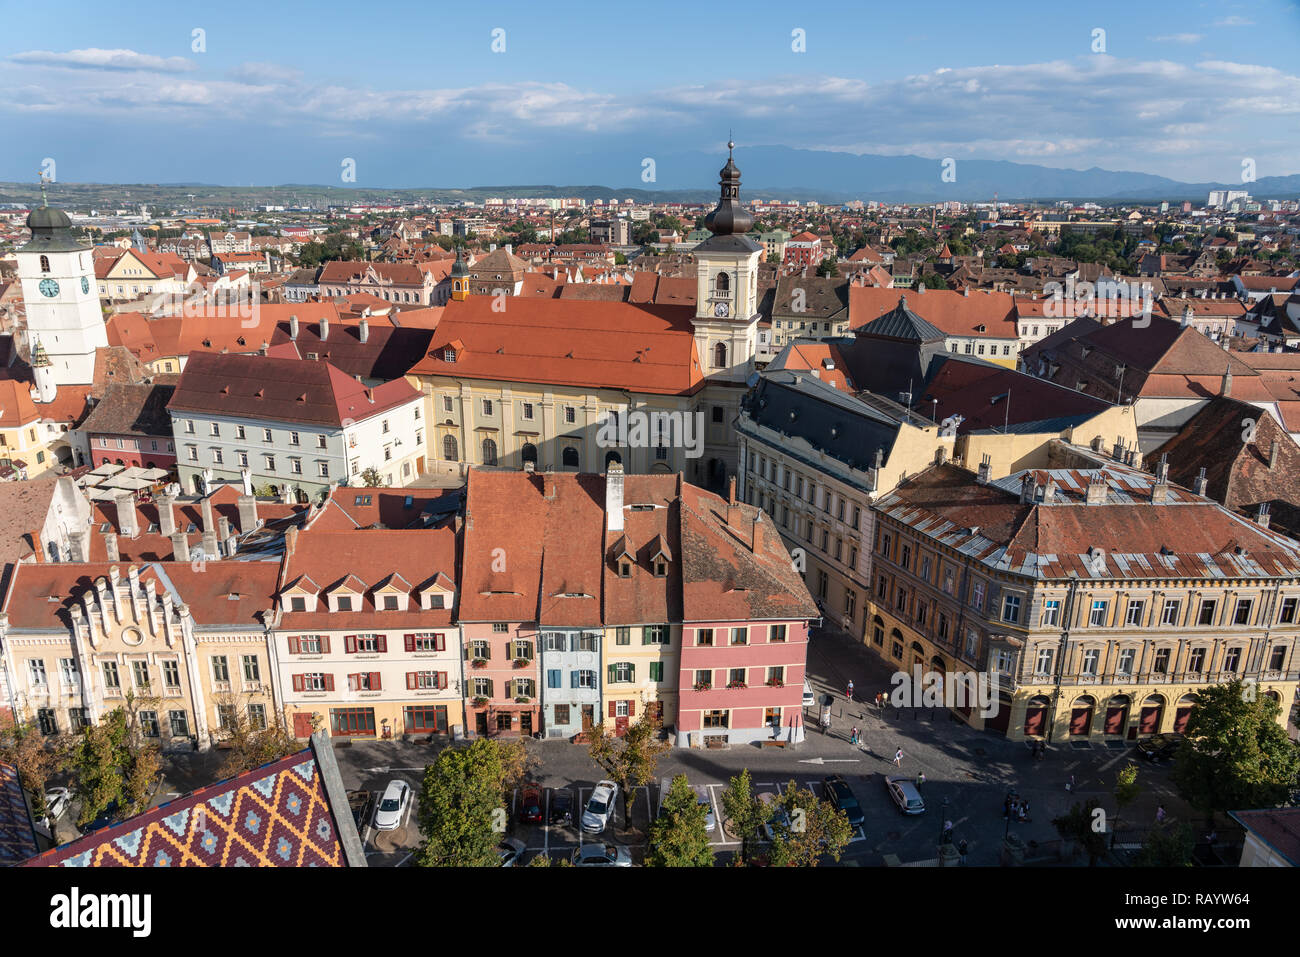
(1035, 720)
(526, 724)
(1115, 720)
(1081, 721)
(480, 724)
(588, 716)
(302, 724)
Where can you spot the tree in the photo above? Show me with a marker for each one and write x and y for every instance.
(35, 757)
(816, 827)
(629, 761)
(620, 259)
(1236, 754)
(462, 807)
(744, 813)
(1167, 847)
(679, 836)
(932, 280)
(1084, 824)
(113, 766)
(371, 478)
(1126, 791)
(828, 267)
(250, 746)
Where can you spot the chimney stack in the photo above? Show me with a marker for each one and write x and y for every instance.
(223, 528)
(1226, 390)
(1261, 514)
(1201, 482)
(210, 551)
(209, 523)
(614, 497)
(110, 547)
(290, 540)
(77, 546)
(1162, 470)
(126, 514)
(180, 547)
(985, 470)
(363, 330)
(293, 327)
(247, 513)
(1096, 491)
(324, 328)
(166, 514)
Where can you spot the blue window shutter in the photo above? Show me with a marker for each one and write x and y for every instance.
(553, 678)
(575, 679)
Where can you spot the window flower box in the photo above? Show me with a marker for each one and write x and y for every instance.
(480, 701)
(703, 686)
(523, 662)
(478, 663)
(522, 699)
(775, 683)
(737, 684)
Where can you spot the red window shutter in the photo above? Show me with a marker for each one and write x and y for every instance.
(329, 682)
(350, 644)
(410, 642)
(324, 644)
(611, 709)
(383, 643)
(442, 679)
(410, 680)
(298, 683)
(294, 644)
(631, 708)
(375, 683)
(440, 642)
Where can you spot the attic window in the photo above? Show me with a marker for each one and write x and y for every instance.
(153, 528)
(641, 508)
(448, 355)
(241, 341)
(624, 569)
(207, 343)
(106, 527)
(260, 393)
(313, 355)
(233, 596)
(408, 501)
(361, 500)
(191, 529)
(661, 568)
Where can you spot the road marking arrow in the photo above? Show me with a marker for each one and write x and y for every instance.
(830, 760)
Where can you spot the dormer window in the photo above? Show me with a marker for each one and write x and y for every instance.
(660, 568)
(449, 354)
(297, 603)
(343, 603)
(624, 569)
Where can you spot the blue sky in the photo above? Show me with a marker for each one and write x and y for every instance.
(416, 96)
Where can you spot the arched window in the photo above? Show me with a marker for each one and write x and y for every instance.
(722, 284)
(528, 453)
(449, 450)
(720, 356)
(489, 452)
(570, 458)
(45, 264)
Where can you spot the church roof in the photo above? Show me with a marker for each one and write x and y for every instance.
(51, 232)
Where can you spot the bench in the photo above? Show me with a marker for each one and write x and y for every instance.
(772, 744)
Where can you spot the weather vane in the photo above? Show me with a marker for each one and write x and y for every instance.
(44, 179)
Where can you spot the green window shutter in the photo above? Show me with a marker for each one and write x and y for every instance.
(631, 672)
(612, 672)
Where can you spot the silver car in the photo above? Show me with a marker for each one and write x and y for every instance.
(602, 855)
(595, 816)
(701, 796)
(903, 792)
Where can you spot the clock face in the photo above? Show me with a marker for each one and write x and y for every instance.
(85, 285)
(49, 288)
(720, 310)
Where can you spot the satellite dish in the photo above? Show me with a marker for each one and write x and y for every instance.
(752, 380)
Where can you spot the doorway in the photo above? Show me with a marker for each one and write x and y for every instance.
(480, 724)
(588, 717)
(526, 724)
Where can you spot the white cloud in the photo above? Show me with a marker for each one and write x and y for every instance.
(96, 59)
(1234, 22)
(1185, 38)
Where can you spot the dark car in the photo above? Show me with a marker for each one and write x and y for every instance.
(530, 806)
(1159, 747)
(359, 802)
(839, 792)
(107, 816)
(561, 806)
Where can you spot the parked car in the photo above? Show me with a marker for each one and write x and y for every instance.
(511, 851)
(1160, 747)
(777, 816)
(56, 802)
(602, 855)
(393, 805)
(809, 699)
(106, 817)
(903, 792)
(701, 796)
(595, 816)
(841, 795)
(530, 806)
(561, 806)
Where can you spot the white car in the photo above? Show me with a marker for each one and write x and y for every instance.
(393, 806)
(56, 802)
(809, 699)
(595, 816)
(903, 792)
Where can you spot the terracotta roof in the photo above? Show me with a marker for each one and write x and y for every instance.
(286, 390)
(353, 507)
(386, 354)
(642, 348)
(170, 336)
(131, 410)
(952, 313)
(644, 598)
(17, 838)
(24, 507)
(815, 356)
(279, 815)
(16, 406)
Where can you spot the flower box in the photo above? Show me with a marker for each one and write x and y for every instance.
(523, 662)
(737, 684)
(701, 686)
(522, 699)
(478, 663)
(775, 683)
(480, 701)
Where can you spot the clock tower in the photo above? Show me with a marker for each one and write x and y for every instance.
(57, 272)
(726, 286)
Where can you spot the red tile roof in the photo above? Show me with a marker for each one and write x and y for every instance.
(952, 313)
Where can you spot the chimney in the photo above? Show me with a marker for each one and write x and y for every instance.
(1096, 491)
(324, 328)
(1227, 382)
(180, 547)
(223, 528)
(232, 546)
(166, 514)
(1272, 455)
(127, 522)
(614, 497)
(1162, 470)
(985, 470)
(110, 547)
(363, 330)
(247, 513)
(1201, 482)
(1261, 514)
(1028, 486)
(210, 551)
(209, 523)
(290, 540)
(293, 327)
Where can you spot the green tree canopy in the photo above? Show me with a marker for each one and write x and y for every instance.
(629, 761)
(743, 813)
(462, 806)
(816, 828)
(678, 837)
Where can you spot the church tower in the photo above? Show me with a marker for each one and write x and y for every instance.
(726, 286)
(57, 273)
(459, 277)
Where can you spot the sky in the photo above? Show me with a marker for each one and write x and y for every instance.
(442, 95)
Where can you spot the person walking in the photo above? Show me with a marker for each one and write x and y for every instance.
(920, 778)
(1160, 814)
(961, 849)
(853, 736)
(947, 832)
(849, 694)
(898, 758)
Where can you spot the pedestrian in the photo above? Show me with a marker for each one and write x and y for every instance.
(961, 849)
(1160, 814)
(920, 778)
(1024, 812)
(898, 758)
(947, 832)
(853, 736)
(849, 693)
(1069, 785)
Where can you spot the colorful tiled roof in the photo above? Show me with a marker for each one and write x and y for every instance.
(17, 839)
(275, 816)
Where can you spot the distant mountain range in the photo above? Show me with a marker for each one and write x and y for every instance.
(769, 172)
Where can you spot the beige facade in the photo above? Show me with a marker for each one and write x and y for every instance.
(1011, 451)
(653, 673)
